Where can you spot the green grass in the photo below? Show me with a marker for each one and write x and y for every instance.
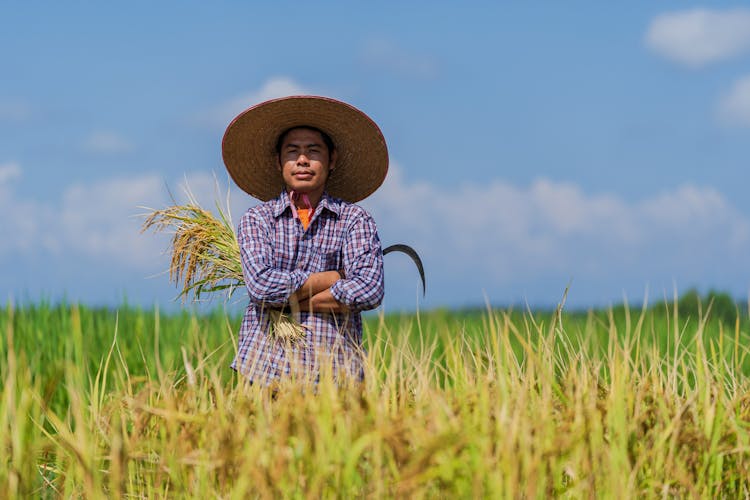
(502, 403)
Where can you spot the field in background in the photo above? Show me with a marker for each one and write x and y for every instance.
(482, 403)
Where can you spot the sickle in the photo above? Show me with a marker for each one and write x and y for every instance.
(414, 256)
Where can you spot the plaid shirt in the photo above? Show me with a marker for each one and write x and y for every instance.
(277, 258)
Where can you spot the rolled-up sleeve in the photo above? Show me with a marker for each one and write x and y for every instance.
(363, 285)
(265, 284)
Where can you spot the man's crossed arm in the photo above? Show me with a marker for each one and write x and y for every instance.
(315, 294)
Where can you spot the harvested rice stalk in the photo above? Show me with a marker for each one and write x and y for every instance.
(205, 253)
(285, 327)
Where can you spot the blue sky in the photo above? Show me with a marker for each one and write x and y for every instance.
(532, 145)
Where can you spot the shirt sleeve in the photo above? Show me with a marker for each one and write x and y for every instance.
(265, 284)
(363, 286)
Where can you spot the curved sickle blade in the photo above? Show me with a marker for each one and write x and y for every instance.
(414, 256)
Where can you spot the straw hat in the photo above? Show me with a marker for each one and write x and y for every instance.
(249, 146)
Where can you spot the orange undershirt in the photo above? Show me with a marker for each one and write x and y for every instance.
(304, 216)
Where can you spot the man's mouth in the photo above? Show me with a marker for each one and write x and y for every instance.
(303, 175)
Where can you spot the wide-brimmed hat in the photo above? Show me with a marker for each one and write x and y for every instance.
(249, 146)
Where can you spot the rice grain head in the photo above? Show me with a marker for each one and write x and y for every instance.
(205, 255)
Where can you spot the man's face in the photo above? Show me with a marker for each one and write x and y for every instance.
(305, 161)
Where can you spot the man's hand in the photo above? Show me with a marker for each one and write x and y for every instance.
(316, 283)
(323, 302)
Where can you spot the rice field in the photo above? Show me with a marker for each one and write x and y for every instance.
(626, 402)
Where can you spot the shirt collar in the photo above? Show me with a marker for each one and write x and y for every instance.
(281, 203)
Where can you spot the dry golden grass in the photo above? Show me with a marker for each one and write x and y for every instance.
(454, 414)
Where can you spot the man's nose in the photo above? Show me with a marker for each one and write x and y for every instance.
(302, 159)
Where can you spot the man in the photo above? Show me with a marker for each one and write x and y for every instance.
(307, 251)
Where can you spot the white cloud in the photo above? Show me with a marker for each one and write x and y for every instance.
(98, 219)
(102, 219)
(90, 219)
(273, 88)
(383, 54)
(697, 37)
(21, 217)
(472, 237)
(106, 142)
(502, 233)
(734, 107)
(9, 172)
(279, 86)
